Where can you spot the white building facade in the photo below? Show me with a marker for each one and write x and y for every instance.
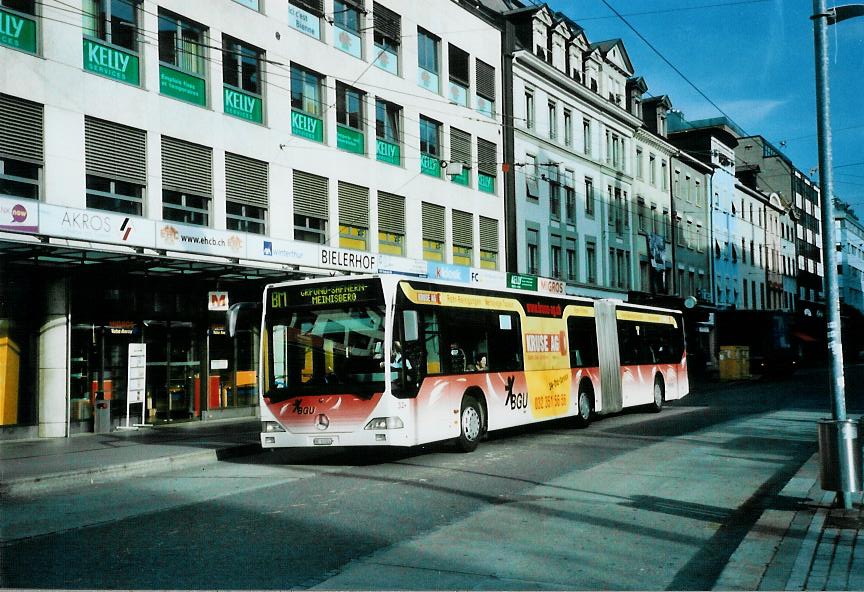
(850, 250)
(154, 152)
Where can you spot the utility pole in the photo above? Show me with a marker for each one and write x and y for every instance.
(845, 429)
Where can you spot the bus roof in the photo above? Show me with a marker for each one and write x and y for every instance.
(392, 279)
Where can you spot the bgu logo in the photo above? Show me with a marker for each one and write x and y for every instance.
(299, 409)
(514, 400)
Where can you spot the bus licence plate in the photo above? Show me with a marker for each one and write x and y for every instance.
(322, 441)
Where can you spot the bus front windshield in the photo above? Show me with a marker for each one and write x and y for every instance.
(326, 351)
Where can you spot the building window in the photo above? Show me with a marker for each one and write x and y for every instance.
(305, 16)
(245, 218)
(554, 195)
(388, 37)
(532, 174)
(586, 136)
(310, 229)
(306, 104)
(349, 118)
(463, 238)
(484, 75)
(652, 169)
(532, 252)
(115, 162)
(458, 61)
(639, 164)
(20, 32)
(115, 196)
(555, 256)
(488, 243)
(241, 75)
(460, 153)
(569, 199)
(529, 109)
(553, 119)
(182, 51)
(664, 176)
(391, 224)
(571, 259)
(253, 4)
(187, 181)
(427, 60)
(591, 262)
(347, 23)
(589, 196)
(430, 147)
(568, 128)
(353, 216)
(388, 123)
(112, 21)
(487, 168)
(185, 208)
(19, 179)
(434, 233)
(246, 193)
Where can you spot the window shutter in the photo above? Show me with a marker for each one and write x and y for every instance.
(463, 229)
(433, 222)
(21, 129)
(488, 234)
(460, 147)
(246, 180)
(391, 213)
(458, 64)
(310, 195)
(353, 205)
(387, 23)
(487, 157)
(115, 151)
(485, 77)
(316, 7)
(187, 167)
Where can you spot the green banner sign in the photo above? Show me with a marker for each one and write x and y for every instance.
(387, 152)
(522, 282)
(242, 105)
(429, 165)
(17, 31)
(307, 126)
(350, 140)
(111, 62)
(462, 179)
(486, 183)
(183, 86)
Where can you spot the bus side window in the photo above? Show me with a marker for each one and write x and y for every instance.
(582, 341)
(504, 338)
(431, 335)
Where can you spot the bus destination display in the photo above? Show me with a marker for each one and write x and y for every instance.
(322, 295)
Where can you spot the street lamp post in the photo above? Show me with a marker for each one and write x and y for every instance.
(822, 17)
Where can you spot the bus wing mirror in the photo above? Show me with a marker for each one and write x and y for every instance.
(244, 309)
(411, 325)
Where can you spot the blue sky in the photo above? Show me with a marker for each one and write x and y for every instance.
(755, 60)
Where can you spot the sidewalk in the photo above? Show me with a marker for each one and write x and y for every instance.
(800, 542)
(31, 466)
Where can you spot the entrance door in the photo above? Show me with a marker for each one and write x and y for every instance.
(173, 370)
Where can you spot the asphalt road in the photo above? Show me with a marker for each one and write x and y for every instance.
(636, 501)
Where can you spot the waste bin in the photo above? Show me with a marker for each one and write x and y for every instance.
(832, 435)
(102, 416)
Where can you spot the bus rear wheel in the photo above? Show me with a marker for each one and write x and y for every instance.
(659, 395)
(471, 424)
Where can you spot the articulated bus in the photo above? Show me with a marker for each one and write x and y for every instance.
(399, 361)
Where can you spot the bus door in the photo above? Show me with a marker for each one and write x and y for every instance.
(610, 364)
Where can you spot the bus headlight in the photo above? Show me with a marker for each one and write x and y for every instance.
(271, 426)
(385, 423)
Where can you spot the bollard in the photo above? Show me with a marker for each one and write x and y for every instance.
(832, 435)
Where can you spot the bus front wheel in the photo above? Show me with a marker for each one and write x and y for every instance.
(471, 424)
(659, 395)
(585, 406)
